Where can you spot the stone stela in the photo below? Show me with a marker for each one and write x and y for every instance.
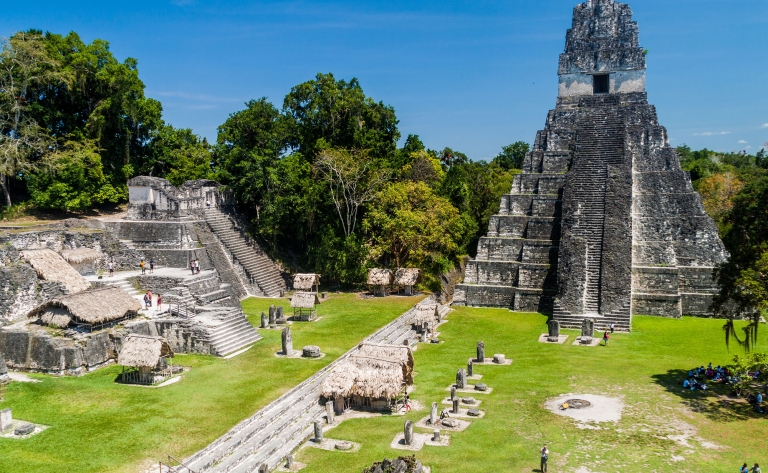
(602, 222)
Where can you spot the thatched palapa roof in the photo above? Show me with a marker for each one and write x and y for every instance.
(91, 307)
(56, 317)
(407, 276)
(79, 255)
(304, 300)
(425, 313)
(375, 371)
(52, 267)
(379, 277)
(143, 350)
(305, 281)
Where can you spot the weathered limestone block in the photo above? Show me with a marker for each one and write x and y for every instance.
(318, 431)
(310, 351)
(329, 414)
(470, 371)
(433, 414)
(499, 359)
(408, 432)
(287, 341)
(461, 379)
(455, 408)
(480, 352)
(587, 328)
(6, 419)
(264, 321)
(553, 329)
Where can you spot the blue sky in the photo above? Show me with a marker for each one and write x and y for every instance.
(472, 75)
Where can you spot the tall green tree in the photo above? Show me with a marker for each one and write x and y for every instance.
(409, 225)
(512, 156)
(326, 112)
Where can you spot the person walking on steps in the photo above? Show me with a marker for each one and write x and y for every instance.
(544, 459)
(612, 327)
(111, 267)
(605, 338)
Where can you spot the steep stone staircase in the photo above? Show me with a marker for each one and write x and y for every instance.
(230, 330)
(279, 428)
(599, 144)
(258, 267)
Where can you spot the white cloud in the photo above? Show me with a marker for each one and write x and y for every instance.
(742, 142)
(712, 133)
(765, 125)
(747, 147)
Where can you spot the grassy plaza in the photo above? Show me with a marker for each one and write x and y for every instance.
(662, 426)
(97, 425)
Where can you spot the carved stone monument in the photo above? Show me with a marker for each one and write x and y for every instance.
(264, 320)
(553, 331)
(289, 462)
(318, 431)
(436, 435)
(263, 468)
(453, 392)
(455, 406)
(329, 414)
(408, 432)
(272, 311)
(587, 328)
(6, 419)
(461, 379)
(470, 367)
(287, 340)
(480, 352)
(433, 414)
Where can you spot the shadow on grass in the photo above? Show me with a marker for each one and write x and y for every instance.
(717, 402)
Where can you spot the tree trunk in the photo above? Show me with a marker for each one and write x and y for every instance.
(6, 193)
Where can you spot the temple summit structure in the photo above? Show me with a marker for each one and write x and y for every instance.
(602, 222)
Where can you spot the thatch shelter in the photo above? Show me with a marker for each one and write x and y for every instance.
(306, 282)
(82, 259)
(50, 266)
(372, 377)
(426, 318)
(407, 278)
(92, 309)
(303, 304)
(380, 281)
(147, 359)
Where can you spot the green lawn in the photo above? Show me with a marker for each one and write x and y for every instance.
(97, 425)
(641, 367)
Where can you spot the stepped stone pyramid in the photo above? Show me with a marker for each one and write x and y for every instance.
(602, 222)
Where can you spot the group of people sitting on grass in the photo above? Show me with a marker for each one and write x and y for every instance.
(720, 374)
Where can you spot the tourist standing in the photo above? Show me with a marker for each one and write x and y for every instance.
(744, 469)
(149, 296)
(151, 266)
(159, 301)
(208, 204)
(142, 265)
(146, 301)
(111, 268)
(605, 338)
(407, 402)
(544, 458)
(612, 327)
(197, 265)
(756, 469)
(192, 266)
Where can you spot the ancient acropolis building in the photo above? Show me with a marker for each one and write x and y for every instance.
(602, 221)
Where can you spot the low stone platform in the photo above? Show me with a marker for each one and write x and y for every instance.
(544, 338)
(330, 445)
(461, 424)
(419, 440)
(595, 342)
(470, 389)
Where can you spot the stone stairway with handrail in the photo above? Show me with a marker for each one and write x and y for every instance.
(259, 268)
